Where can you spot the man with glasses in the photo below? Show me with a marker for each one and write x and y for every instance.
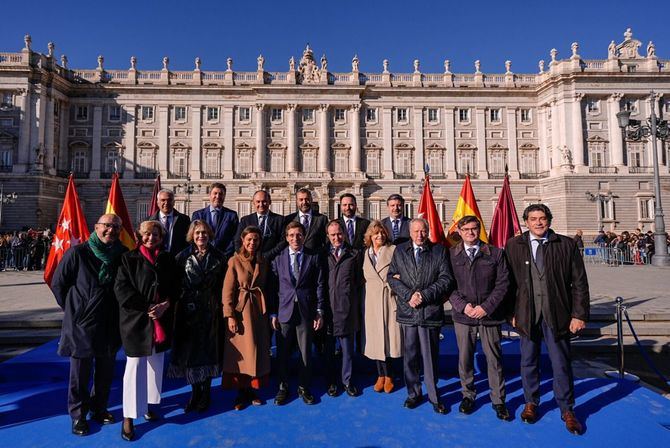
(83, 284)
(482, 280)
(176, 224)
(270, 223)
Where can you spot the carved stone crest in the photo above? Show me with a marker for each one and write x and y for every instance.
(628, 49)
(308, 71)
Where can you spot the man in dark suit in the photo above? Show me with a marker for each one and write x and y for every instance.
(270, 223)
(176, 224)
(297, 309)
(222, 220)
(313, 221)
(420, 275)
(551, 302)
(354, 226)
(396, 224)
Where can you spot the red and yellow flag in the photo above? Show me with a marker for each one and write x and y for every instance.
(117, 206)
(466, 205)
(70, 231)
(428, 211)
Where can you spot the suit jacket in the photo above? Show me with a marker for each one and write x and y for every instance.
(316, 238)
(224, 232)
(345, 283)
(360, 226)
(273, 238)
(309, 288)
(404, 229)
(180, 225)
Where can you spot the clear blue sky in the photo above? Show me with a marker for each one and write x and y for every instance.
(462, 31)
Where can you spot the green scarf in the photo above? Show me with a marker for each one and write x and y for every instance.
(108, 254)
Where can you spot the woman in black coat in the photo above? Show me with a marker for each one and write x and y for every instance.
(198, 335)
(147, 284)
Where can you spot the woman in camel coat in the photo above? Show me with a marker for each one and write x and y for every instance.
(246, 351)
(383, 336)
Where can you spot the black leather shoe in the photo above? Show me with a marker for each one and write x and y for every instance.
(129, 434)
(103, 417)
(332, 390)
(151, 416)
(440, 408)
(306, 395)
(351, 390)
(412, 402)
(282, 395)
(501, 411)
(467, 406)
(80, 427)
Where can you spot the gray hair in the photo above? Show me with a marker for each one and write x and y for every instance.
(421, 220)
(164, 190)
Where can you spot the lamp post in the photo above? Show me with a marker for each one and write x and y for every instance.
(636, 130)
(600, 198)
(188, 189)
(8, 198)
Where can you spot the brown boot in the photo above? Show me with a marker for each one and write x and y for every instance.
(529, 413)
(571, 422)
(379, 385)
(388, 384)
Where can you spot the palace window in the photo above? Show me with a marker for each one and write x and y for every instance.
(179, 164)
(434, 159)
(401, 115)
(56, 108)
(339, 115)
(636, 154)
(309, 161)
(80, 161)
(146, 161)
(607, 210)
(465, 161)
(114, 113)
(180, 113)
(371, 115)
(646, 208)
(525, 115)
(372, 163)
(404, 162)
(497, 161)
(593, 106)
(630, 105)
(7, 100)
(212, 114)
(373, 210)
(112, 161)
(245, 113)
(244, 161)
(6, 159)
(528, 162)
(598, 154)
(212, 162)
(341, 161)
(81, 113)
(147, 113)
(277, 161)
(494, 115)
(463, 115)
(276, 114)
(432, 116)
(308, 115)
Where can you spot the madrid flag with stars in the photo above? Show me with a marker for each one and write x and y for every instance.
(71, 230)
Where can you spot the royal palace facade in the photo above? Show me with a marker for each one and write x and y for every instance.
(370, 134)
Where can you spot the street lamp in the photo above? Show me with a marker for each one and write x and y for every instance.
(188, 189)
(636, 130)
(600, 198)
(8, 198)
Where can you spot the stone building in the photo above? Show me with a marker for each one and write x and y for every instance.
(370, 134)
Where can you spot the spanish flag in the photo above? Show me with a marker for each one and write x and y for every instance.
(117, 206)
(466, 205)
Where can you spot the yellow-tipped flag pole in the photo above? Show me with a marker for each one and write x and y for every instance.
(117, 206)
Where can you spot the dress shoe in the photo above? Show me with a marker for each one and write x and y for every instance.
(240, 401)
(306, 395)
(501, 411)
(79, 427)
(379, 385)
(253, 398)
(440, 408)
(103, 417)
(571, 422)
(388, 384)
(412, 402)
(529, 413)
(128, 429)
(151, 416)
(351, 390)
(467, 406)
(332, 390)
(282, 395)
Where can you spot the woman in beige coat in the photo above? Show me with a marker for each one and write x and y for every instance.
(383, 337)
(246, 358)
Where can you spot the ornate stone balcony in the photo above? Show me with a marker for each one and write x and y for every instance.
(641, 169)
(602, 170)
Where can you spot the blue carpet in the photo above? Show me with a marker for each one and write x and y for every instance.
(33, 391)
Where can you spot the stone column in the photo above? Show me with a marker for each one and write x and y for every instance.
(291, 141)
(482, 153)
(450, 142)
(616, 139)
(355, 138)
(196, 141)
(97, 142)
(130, 146)
(555, 138)
(25, 104)
(387, 126)
(419, 158)
(228, 142)
(163, 162)
(543, 156)
(38, 126)
(578, 135)
(49, 162)
(324, 139)
(260, 137)
(512, 144)
(64, 151)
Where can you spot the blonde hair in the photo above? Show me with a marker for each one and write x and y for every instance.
(193, 227)
(149, 226)
(374, 228)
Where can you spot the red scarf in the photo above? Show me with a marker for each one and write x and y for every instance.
(151, 255)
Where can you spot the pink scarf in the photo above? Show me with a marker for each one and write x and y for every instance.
(151, 255)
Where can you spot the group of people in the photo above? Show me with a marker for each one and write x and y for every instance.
(213, 289)
(627, 247)
(25, 250)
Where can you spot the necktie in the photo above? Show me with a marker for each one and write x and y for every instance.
(167, 232)
(471, 253)
(417, 255)
(396, 230)
(261, 224)
(215, 217)
(539, 255)
(305, 222)
(350, 231)
(336, 254)
(296, 266)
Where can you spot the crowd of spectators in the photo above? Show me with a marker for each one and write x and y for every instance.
(627, 247)
(25, 250)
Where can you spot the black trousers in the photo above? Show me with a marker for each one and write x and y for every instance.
(421, 345)
(347, 345)
(302, 330)
(79, 400)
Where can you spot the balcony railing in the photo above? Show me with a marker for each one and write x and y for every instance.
(242, 175)
(464, 175)
(602, 170)
(108, 175)
(641, 169)
(177, 175)
(211, 175)
(81, 175)
(6, 168)
(496, 175)
(146, 175)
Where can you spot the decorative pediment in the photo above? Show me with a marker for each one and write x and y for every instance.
(276, 146)
(371, 147)
(147, 145)
(113, 145)
(497, 147)
(528, 147)
(339, 145)
(466, 147)
(79, 143)
(595, 138)
(5, 135)
(628, 49)
(179, 146)
(308, 146)
(403, 145)
(243, 145)
(435, 147)
(211, 146)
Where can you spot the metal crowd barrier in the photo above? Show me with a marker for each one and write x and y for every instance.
(613, 256)
(19, 259)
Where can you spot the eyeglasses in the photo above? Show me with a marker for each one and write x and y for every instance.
(109, 225)
(469, 229)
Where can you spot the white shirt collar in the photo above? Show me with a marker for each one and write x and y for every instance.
(291, 251)
(301, 214)
(467, 246)
(418, 247)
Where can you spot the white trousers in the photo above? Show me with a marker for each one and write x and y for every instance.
(142, 384)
